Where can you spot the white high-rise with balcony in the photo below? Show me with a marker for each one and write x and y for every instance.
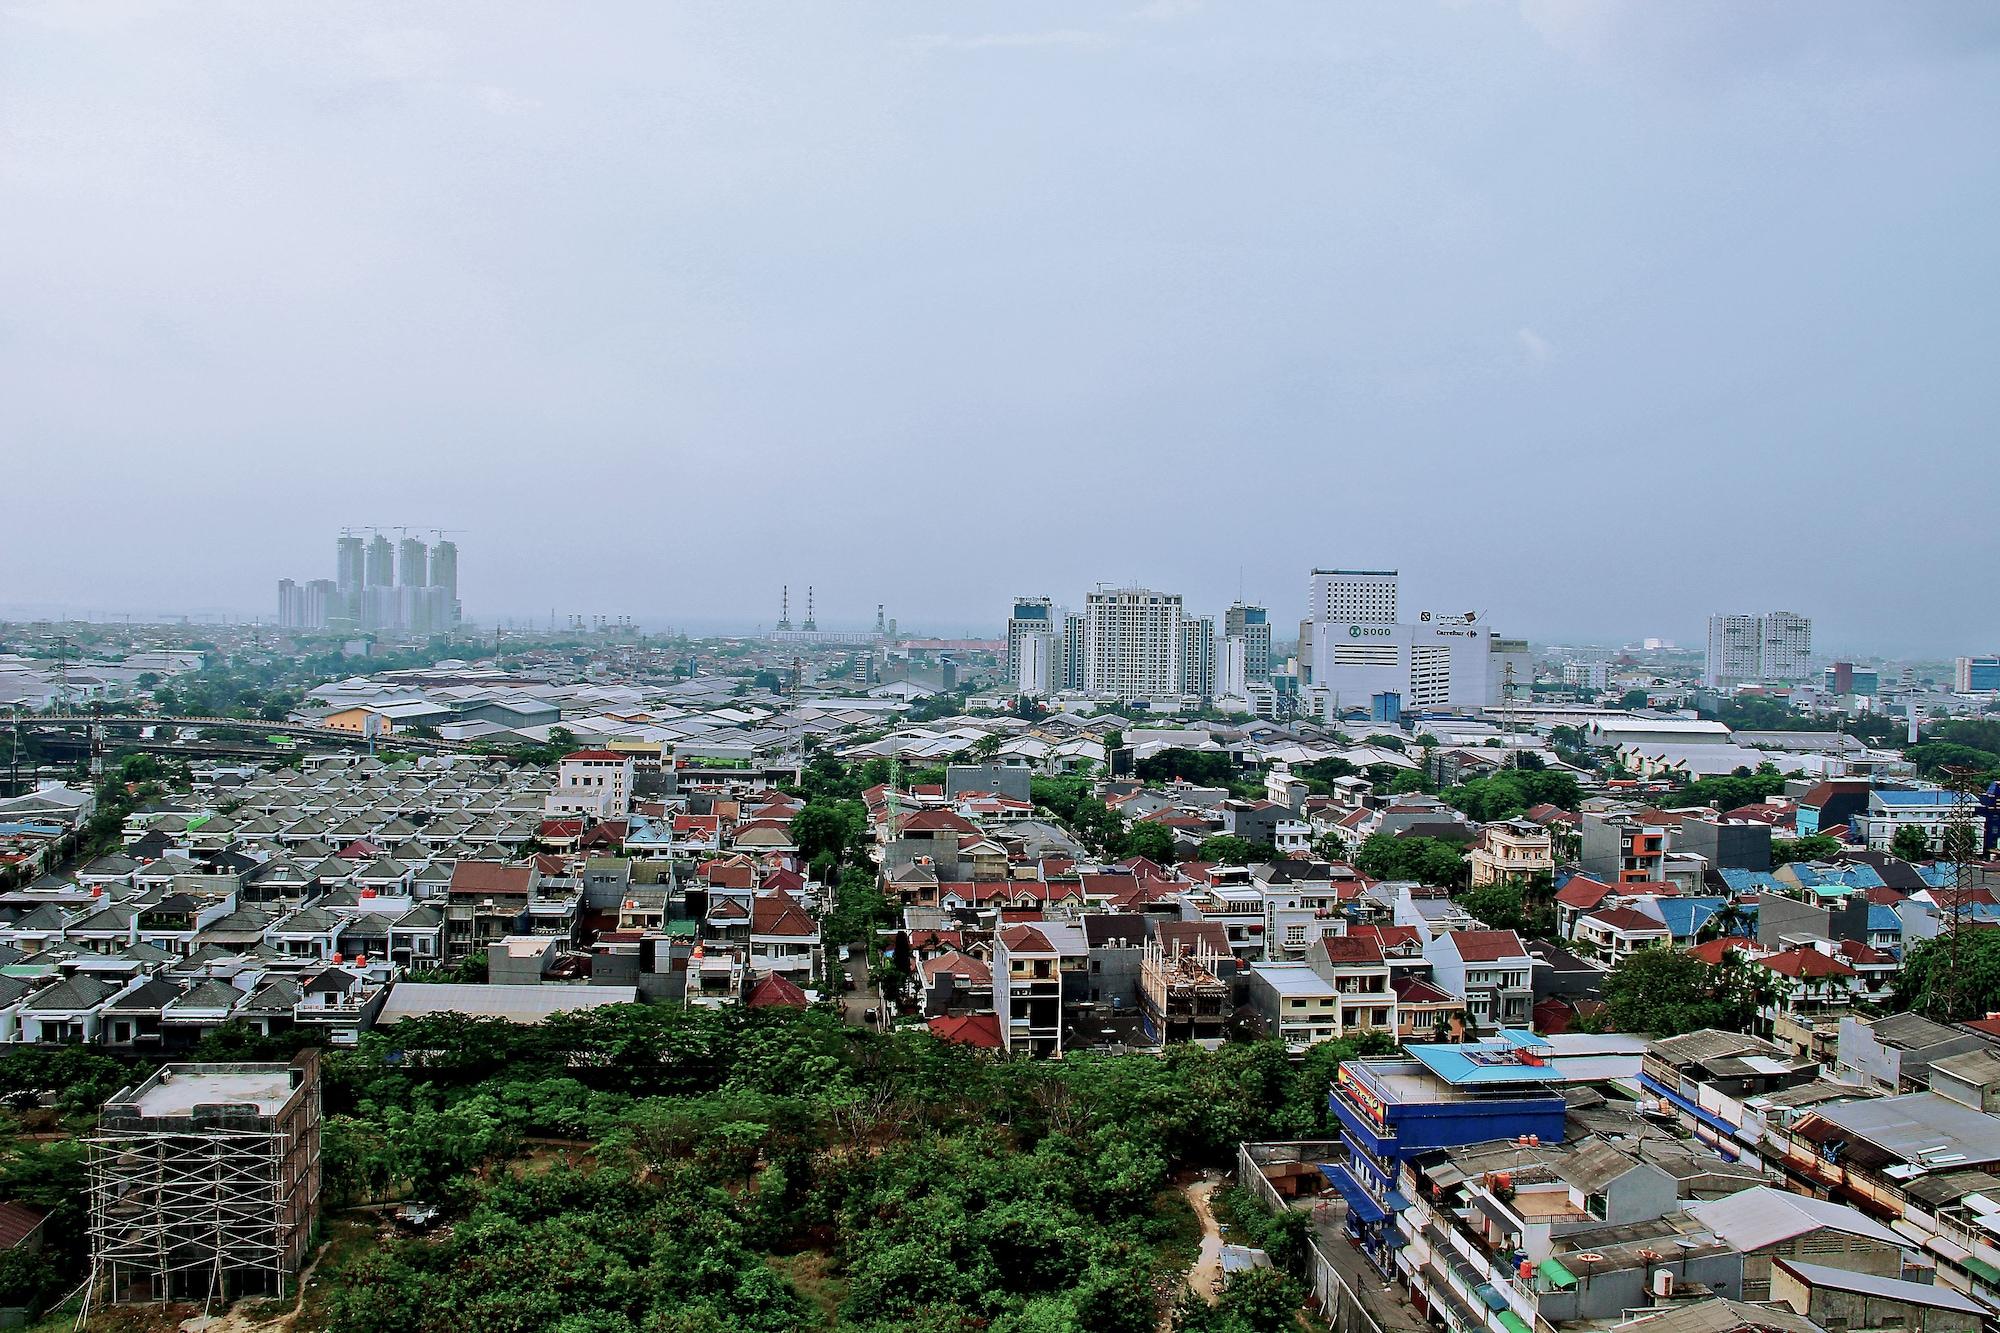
(1132, 643)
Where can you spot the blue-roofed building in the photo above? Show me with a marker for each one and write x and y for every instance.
(1684, 917)
(1939, 874)
(1434, 1095)
(1930, 809)
(1750, 881)
(1885, 928)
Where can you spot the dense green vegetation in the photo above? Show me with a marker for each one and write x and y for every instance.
(1669, 991)
(653, 1169)
(1424, 860)
(1075, 802)
(1814, 847)
(1513, 792)
(1951, 985)
(1727, 792)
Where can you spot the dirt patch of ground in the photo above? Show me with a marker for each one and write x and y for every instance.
(811, 1271)
(1206, 1275)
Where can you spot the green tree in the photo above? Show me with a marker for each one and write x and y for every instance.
(829, 828)
(1664, 992)
(1423, 860)
(1226, 849)
(1814, 847)
(1155, 842)
(1910, 844)
(1951, 983)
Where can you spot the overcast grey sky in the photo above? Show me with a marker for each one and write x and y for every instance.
(1592, 317)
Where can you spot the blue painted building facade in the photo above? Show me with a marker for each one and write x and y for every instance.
(1437, 1095)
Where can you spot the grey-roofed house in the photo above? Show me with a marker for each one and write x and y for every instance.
(517, 1004)
(1971, 1078)
(1836, 1299)
(1764, 1224)
(1894, 1053)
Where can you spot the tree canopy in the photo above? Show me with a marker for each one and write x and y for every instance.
(1424, 860)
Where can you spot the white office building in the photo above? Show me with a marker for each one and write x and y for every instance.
(1132, 643)
(1032, 615)
(1365, 596)
(1198, 657)
(1360, 649)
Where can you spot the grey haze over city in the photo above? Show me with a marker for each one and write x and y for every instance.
(1594, 320)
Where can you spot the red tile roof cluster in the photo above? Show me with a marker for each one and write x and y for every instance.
(1026, 939)
(780, 914)
(491, 877)
(1628, 919)
(974, 970)
(1392, 940)
(1714, 951)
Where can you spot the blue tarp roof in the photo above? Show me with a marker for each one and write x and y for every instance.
(1360, 1203)
(1882, 917)
(1742, 881)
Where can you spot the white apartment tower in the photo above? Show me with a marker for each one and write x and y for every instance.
(1775, 646)
(1039, 658)
(1198, 656)
(1132, 642)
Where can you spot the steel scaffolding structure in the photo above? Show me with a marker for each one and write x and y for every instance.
(204, 1182)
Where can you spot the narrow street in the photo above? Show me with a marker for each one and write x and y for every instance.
(1383, 1302)
(857, 1002)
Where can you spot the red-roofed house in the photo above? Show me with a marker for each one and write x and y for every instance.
(978, 1030)
(775, 991)
(1490, 970)
(1028, 966)
(1616, 932)
(956, 982)
(486, 901)
(784, 937)
(1422, 1009)
(694, 834)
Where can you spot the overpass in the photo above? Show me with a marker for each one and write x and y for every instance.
(300, 730)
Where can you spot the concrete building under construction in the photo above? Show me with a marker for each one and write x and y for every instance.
(1183, 985)
(204, 1182)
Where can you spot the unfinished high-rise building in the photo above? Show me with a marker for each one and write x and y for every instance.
(204, 1182)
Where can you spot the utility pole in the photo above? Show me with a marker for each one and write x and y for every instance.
(1960, 842)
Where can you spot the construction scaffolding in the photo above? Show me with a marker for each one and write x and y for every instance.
(204, 1183)
(1183, 997)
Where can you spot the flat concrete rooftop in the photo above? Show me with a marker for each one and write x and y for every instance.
(181, 1093)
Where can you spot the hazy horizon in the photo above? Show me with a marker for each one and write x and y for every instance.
(1595, 319)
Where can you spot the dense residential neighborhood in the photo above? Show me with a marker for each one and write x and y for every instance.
(1605, 1009)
